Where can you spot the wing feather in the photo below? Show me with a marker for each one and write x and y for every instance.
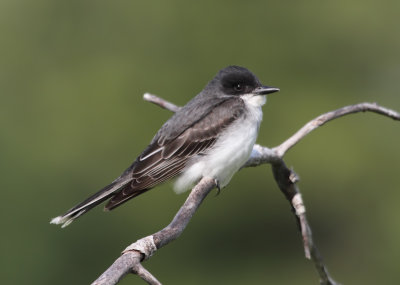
(166, 157)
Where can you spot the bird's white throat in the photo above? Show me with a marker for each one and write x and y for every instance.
(254, 100)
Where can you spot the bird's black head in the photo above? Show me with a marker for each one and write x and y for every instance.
(236, 80)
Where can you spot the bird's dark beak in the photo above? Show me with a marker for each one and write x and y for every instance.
(263, 90)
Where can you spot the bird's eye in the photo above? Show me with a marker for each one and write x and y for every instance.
(238, 87)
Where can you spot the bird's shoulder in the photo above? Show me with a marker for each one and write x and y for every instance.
(204, 112)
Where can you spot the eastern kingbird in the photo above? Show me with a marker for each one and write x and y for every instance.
(211, 136)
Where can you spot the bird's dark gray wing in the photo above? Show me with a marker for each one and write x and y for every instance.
(167, 154)
(187, 116)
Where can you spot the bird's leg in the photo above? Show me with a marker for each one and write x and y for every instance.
(216, 181)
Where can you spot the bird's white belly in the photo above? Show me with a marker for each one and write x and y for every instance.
(228, 154)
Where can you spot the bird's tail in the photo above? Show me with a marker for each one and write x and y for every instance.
(91, 202)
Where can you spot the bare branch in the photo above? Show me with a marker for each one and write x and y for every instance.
(133, 255)
(182, 218)
(324, 118)
(286, 180)
(130, 260)
(160, 102)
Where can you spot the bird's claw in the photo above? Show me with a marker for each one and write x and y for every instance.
(218, 186)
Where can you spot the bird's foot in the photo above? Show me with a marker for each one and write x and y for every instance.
(216, 181)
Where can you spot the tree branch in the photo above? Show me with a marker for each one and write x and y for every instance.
(130, 260)
(324, 118)
(133, 255)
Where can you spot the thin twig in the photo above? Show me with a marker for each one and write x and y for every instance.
(160, 102)
(286, 180)
(324, 118)
(143, 273)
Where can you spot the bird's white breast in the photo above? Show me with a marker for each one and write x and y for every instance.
(231, 150)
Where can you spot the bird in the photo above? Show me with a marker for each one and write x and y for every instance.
(211, 136)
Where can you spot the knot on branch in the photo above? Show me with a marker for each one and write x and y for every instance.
(298, 205)
(293, 177)
(146, 246)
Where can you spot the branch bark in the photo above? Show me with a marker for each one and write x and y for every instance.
(286, 179)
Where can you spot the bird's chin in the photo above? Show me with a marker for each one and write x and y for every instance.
(255, 100)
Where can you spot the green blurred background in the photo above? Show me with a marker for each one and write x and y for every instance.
(72, 76)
